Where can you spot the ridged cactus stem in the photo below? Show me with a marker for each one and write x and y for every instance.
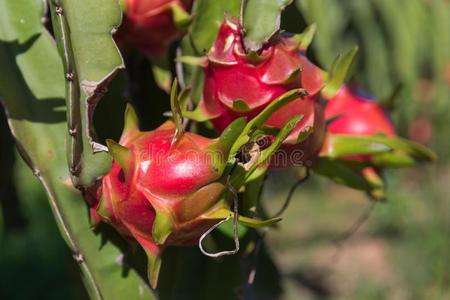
(76, 252)
(89, 67)
(72, 95)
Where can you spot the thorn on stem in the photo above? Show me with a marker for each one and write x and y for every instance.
(79, 258)
(74, 170)
(70, 76)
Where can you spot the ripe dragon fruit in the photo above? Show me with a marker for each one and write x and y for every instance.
(354, 112)
(152, 25)
(361, 141)
(168, 187)
(357, 113)
(242, 84)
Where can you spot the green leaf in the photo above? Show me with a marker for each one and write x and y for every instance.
(258, 121)
(228, 229)
(32, 91)
(180, 16)
(120, 154)
(176, 112)
(392, 159)
(339, 173)
(338, 73)
(240, 105)
(91, 59)
(196, 115)
(131, 122)
(415, 150)
(304, 133)
(305, 38)
(162, 227)
(342, 145)
(261, 21)
(386, 151)
(153, 267)
(269, 130)
(334, 65)
(221, 148)
(252, 223)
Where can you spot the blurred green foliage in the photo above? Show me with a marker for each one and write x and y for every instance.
(402, 252)
(35, 263)
(403, 43)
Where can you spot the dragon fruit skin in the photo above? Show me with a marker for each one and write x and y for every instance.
(357, 114)
(256, 80)
(150, 25)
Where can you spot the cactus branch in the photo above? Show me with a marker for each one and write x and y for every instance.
(73, 116)
(77, 254)
(88, 67)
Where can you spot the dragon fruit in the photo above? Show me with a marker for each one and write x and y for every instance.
(357, 113)
(361, 141)
(354, 112)
(152, 25)
(242, 84)
(168, 187)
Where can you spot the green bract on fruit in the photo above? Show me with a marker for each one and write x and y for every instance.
(168, 187)
(152, 25)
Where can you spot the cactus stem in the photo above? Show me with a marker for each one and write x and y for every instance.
(74, 114)
(44, 18)
(53, 203)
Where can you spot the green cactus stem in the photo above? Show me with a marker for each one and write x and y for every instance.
(32, 94)
(89, 66)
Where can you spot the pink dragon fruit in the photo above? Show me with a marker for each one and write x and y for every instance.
(354, 112)
(168, 187)
(152, 25)
(242, 84)
(357, 113)
(361, 141)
